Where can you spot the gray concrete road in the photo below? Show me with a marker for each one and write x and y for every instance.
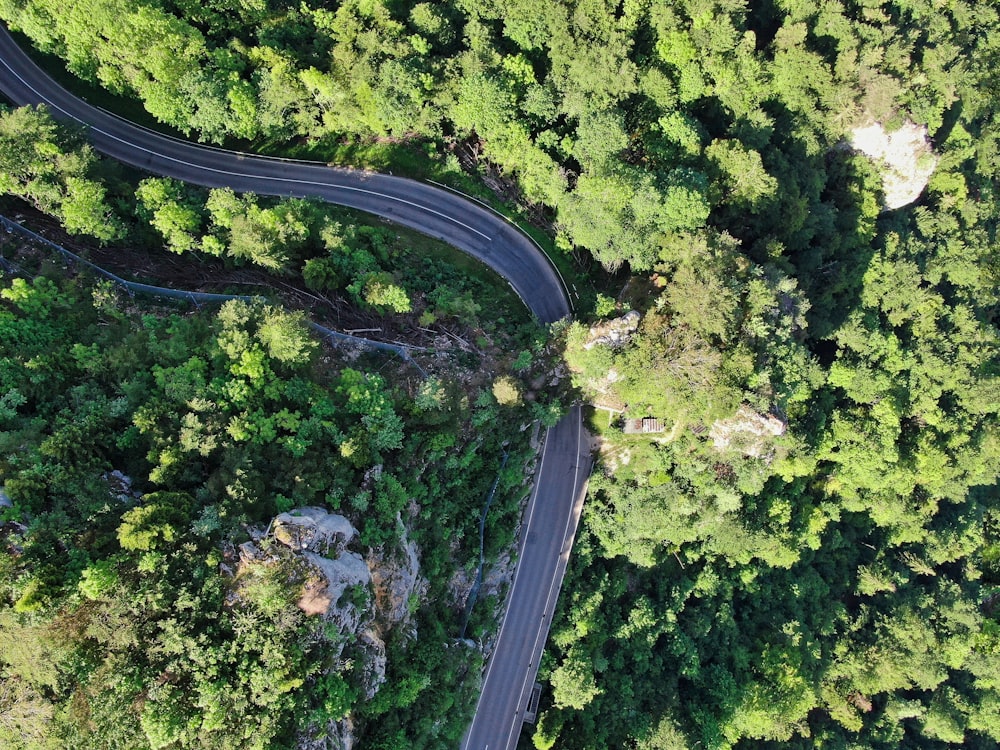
(555, 504)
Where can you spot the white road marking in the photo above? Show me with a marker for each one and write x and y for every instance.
(562, 554)
(513, 586)
(241, 174)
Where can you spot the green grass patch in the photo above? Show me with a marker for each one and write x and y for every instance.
(597, 423)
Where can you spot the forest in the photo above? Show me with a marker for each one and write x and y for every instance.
(808, 554)
(140, 446)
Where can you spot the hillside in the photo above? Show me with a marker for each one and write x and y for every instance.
(806, 550)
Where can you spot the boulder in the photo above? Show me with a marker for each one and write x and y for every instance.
(615, 332)
(904, 156)
(313, 529)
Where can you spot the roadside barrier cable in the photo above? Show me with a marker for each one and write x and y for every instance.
(470, 601)
(201, 297)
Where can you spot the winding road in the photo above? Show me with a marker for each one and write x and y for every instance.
(554, 508)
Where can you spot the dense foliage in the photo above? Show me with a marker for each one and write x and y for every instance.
(53, 169)
(638, 121)
(120, 622)
(371, 265)
(332, 251)
(836, 586)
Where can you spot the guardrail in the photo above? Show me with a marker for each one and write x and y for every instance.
(488, 207)
(196, 298)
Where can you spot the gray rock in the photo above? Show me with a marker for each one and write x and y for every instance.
(312, 528)
(349, 569)
(395, 582)
(373, 671)
(746, 431)
(615, 332)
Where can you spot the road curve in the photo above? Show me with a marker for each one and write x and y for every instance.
(554, 508)
(425, 208)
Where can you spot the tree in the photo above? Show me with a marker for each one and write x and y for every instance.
(285, 336)
(175, 211)
(379, 291)
(156, 523)
(48, 166)
(573, 684)
(742, 173)
(506, 391)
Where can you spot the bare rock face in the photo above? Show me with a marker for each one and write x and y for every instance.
(746, 431)
(373, 670)
(320, 539)
(312, 528)
(904, 156)
(342, 736)
(395, 581)
(337, 588)
(337, 735)
(120, 486)
(615, 332)
(497, 578)
(347, 570)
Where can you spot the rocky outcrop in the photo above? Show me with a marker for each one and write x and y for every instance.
(338, 588)
(320, 539)
(336, 735)
(342, 736)
(347, 570)
(373, 663)
(396, 581)
(120, 486)
(313, 529)
(614, 333)
(904, 156)
(746, 431)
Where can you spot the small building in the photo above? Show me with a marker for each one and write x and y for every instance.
(642, 426)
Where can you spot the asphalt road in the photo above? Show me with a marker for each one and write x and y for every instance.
(545, 545)
(554, 508)
(428, 209)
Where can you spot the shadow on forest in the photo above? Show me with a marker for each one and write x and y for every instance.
(820, 222)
